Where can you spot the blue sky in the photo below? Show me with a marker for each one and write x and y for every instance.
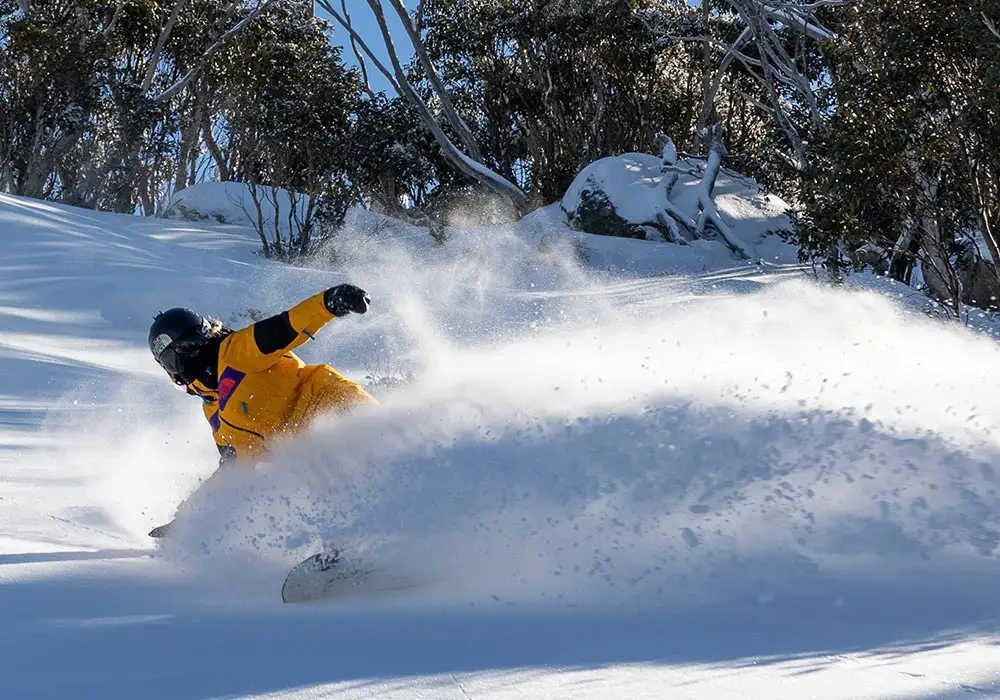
(365, 24)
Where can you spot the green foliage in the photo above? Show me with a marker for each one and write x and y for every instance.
(912, 158)
(89, 121)
(301, 99)
(899, 129)
(392, 157)
(596, 214)
(549, 87)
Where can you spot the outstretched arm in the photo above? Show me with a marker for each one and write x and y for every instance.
(259, 346)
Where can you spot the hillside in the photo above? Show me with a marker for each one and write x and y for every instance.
(726, 483)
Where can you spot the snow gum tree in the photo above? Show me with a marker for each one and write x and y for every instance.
(292, 144)
(549, 87)
(48, 93)
(393, 159)
(103, 100)
(911, 161)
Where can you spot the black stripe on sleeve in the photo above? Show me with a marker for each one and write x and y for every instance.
(273, 334)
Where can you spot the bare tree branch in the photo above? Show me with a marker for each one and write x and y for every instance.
(750, 98)
(207, 54)
(991, 26)
(147, 82)
(731, 48)
(357, 51)
(420, 13)
(789, 16)
(812, 5)
(447, 106)
(114, 18)
(708, 212)
(346, 24)
(467, 166)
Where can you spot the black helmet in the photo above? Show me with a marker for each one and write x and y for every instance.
(175, 338)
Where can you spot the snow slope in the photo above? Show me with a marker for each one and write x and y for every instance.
(729, 484)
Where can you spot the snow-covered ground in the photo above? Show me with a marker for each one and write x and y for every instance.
(728, 483)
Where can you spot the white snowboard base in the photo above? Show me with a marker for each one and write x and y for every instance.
(317, 578)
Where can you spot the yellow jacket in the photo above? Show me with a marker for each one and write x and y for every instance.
(265, 391)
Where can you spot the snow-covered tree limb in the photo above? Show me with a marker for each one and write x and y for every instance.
(673, 218)
(749, 98)
(792, 18)
(668, 156)
(706, 204)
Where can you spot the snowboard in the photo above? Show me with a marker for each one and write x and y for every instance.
(161, 531)
(329, 575)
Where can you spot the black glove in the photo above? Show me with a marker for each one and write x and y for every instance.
(345, 299)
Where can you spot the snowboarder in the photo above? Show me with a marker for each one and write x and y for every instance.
(254, 389)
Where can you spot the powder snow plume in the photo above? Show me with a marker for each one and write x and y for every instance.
(567, 439)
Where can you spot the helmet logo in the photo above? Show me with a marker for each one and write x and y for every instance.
(161, 343)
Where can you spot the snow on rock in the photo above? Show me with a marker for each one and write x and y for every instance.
(626, 196)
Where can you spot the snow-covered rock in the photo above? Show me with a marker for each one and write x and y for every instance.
(627, 196)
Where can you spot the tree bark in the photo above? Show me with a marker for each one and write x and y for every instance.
(904, 255)
(213, 148)
(357, 52)
(939, 274)
(456, 121)
(189, 140)
(147, 81)
(467, 166)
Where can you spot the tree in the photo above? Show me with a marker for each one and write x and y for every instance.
(103, 99)
(910, 163)
(293, 145)
(766, 53)
(467, 163)
(393, 158)
(48, 91)
(549, 87)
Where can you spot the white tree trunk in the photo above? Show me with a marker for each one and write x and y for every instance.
(773, 67)
(452, 115)
(706, 205)
(183, 81)
(147, 82)
(939, 274)
(344, 20)
(466, 165)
